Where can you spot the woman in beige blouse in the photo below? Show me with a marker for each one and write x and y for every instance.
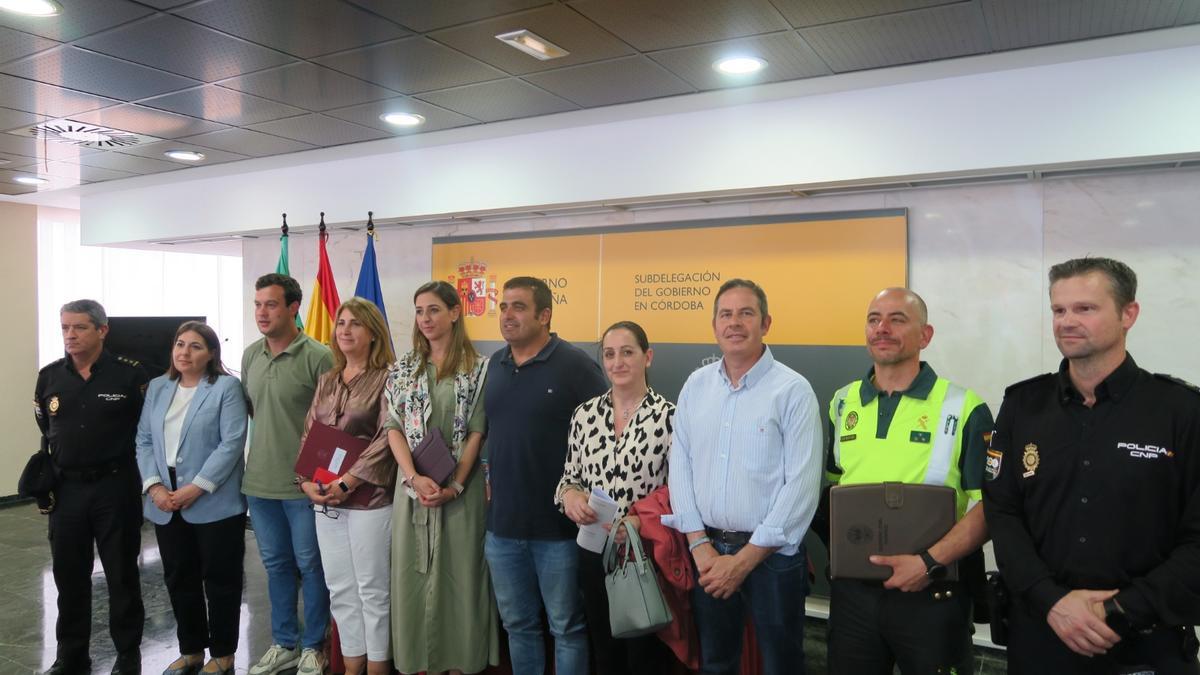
(355, 540)
(619, 442)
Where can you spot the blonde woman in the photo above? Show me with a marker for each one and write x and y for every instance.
(355, 540)
(442, 603)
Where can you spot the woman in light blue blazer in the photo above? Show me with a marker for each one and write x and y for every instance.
(189, 448)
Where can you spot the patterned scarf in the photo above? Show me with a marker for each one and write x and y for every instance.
(409, 392)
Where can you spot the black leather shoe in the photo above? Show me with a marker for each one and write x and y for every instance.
(128, 665)
(70, 667)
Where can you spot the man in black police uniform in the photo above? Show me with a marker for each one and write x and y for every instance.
(1093, 495)
(87, 406)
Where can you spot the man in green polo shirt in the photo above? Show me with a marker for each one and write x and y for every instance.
(904, 423)
(280, 374)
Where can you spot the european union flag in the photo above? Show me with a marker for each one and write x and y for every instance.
(368, 277)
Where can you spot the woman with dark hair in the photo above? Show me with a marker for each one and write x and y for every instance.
(442, 602)
(618, 442)
(189, 450)
(355, 538)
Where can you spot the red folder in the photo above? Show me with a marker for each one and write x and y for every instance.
(328, 453)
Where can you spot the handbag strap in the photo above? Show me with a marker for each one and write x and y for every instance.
(633, 550)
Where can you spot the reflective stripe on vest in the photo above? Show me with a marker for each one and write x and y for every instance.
(943, 442)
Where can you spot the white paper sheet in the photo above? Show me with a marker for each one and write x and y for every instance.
(592, 536)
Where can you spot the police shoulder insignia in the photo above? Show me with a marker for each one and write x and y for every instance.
(129, 361)
(1179, 381)
(1022, 383)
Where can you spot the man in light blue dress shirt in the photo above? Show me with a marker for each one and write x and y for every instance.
(745, 475)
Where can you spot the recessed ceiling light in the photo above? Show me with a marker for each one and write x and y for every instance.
(533, 44)
(31, 7)
(30, 180)
(185, 155)
(403, 119)
(739, 65)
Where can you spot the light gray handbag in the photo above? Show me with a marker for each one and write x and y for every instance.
(635, 602)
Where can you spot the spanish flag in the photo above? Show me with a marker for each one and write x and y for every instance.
(324, 302)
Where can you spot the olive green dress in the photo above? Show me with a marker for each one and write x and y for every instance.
(443, 610)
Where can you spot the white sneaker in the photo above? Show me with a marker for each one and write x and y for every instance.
(276, 659)
(311, 663)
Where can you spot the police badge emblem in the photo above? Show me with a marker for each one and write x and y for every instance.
(1030, 460)
(851, 420)
(52, 405)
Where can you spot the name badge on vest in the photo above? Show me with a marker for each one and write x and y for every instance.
(920, 437)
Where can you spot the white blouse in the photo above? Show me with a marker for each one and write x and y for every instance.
(173, 423)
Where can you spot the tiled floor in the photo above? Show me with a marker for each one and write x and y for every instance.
(28, 610)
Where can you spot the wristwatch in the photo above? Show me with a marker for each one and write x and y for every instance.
(344, 488)
(933, 569)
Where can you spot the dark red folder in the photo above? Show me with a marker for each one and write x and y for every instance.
(328, 453)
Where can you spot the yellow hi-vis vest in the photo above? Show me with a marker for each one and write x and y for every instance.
(923, 443)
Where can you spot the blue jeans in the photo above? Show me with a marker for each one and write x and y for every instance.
(287, 542)
(524, 571)
(774, 594)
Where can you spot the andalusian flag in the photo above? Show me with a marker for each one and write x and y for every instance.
(324, 302)
(281, 267)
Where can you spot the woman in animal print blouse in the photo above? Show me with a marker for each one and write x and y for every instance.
(619, 442)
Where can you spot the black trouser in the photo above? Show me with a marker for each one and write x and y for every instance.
(615, 656)
(1034, 648)
(105, 509)
(872, 629)
(203, 561)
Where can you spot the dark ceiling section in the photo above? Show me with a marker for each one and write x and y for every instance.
(235, 79)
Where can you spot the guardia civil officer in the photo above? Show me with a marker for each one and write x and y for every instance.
(1093, 495)
(901, 422)
(87, 406)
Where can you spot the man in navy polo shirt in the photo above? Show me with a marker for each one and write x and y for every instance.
(532, 387)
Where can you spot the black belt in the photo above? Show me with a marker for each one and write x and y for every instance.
(728, 537)
(91, 474)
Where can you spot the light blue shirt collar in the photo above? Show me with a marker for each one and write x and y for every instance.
(758, 371)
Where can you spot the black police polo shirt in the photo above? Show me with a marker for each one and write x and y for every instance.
(529, 409)
(93, 422)
(1099, 498)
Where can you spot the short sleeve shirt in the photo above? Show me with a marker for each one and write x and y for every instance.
(280, 388)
